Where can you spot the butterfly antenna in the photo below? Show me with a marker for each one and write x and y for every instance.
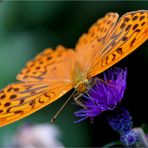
(59, 111)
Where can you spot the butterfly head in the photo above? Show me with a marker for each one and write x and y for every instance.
(82, 86)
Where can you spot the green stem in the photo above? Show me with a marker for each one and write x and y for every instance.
(114, 143)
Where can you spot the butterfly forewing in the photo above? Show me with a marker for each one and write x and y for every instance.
(90, 43)
(129, 33)
(21, 99)
(46, 78)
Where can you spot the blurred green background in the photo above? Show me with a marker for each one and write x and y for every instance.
(26, 28)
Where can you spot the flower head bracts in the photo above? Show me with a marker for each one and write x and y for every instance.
(120, 120)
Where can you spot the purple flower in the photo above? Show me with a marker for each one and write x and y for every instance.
(104, 95)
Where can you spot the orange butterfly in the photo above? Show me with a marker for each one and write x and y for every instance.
(53, 73)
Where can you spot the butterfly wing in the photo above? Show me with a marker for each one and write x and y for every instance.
(129, 33)
(45, 79)
(89, 43)
(19, 100)
(49, 65)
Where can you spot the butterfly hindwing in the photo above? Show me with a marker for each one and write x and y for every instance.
(47, 65)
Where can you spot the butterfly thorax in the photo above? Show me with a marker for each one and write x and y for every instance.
(80, 81)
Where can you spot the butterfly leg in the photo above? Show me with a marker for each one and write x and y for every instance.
(77, 100)
(101, 80)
